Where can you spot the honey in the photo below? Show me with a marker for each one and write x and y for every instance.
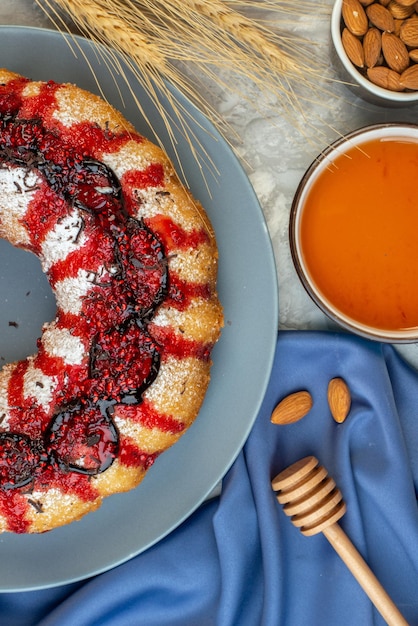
(359, 233)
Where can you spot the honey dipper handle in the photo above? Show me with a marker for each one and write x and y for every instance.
(364, 575)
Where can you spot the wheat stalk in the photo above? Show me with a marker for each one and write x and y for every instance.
(240, 43)
(271, 61)
(229, 23)
(155, 37)
(146, 60)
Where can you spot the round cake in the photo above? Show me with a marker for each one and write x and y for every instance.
(121, 372)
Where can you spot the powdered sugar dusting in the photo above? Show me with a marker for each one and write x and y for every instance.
(129, 157)
(193, 321)
(174, 390)
(69, 292)
(192, 264)
(154, 201)
(38, 385)
(65, 237)
(49, 499)
(127, 427)
(17, 188)
(59, 342)
(32, 89)
(151, 439)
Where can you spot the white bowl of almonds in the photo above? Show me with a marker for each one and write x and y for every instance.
(377, 44)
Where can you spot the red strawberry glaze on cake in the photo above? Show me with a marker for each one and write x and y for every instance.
(121, 373)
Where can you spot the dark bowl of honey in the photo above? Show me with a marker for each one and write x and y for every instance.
(354, 232)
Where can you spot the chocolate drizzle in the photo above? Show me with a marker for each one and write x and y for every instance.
(83, 439)
(20, 457)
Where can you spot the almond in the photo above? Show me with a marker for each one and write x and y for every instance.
(380, 17)
(353, 47)
(413, 55)
(385, 77)
(409, 32)
(395, 52)
(372, 46)
(398, 24)
(409, 78)
(292, 408)
(354, 17)
(366, 3)
(406, 3)
(339, 399)
(399, 11)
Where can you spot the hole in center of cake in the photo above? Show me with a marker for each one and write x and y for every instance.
(27, 302)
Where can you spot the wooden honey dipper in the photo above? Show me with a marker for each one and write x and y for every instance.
(314, 504)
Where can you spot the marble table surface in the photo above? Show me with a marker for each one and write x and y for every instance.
(273, 149)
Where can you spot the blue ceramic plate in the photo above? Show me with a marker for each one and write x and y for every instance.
(183, 477)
